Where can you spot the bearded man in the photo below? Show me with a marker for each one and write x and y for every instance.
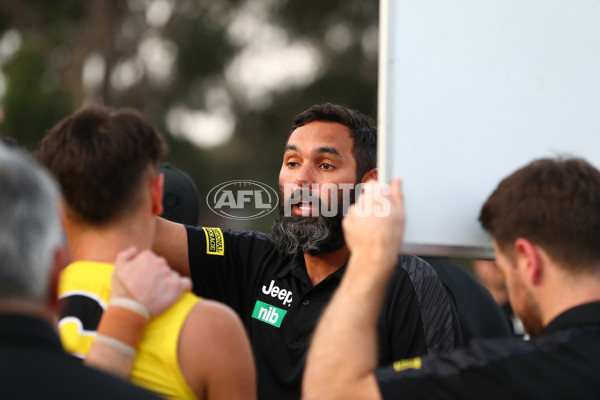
(280, 284)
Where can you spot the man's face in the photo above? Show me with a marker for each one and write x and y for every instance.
(317, 153)
(521, 298)
(318, 171)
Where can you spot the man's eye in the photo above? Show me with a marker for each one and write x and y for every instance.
(292, 164)
(327, 167)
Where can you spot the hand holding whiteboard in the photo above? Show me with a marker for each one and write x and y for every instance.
(472, 90)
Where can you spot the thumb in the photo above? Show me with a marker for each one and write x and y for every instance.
(396, 192)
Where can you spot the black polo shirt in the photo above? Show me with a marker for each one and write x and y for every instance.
(280, 308)
(563, 362)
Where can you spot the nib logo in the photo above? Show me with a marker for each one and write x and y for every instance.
(268, 314)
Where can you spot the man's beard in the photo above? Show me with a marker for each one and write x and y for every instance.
(315, 235)
(529, 313)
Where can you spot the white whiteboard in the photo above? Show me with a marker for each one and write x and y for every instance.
(470, 90)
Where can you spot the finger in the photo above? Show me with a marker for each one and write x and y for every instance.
(350, 211)
(126, 255)
(396, 192)
(367, 190)
(162, 262)
(147, 255)
(186, 283)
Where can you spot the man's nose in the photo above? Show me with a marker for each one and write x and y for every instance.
(305, 175)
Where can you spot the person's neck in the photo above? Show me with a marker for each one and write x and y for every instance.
(568, 292)
(102, 244)
(499, 294)
(321, 266)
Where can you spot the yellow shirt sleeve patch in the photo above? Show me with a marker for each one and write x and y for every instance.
(74, 338)
(215, 244)
(410, 363)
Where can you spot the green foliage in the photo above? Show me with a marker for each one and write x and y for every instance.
(44, 78)
(33, 102)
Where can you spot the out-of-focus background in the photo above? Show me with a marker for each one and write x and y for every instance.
(222, 79)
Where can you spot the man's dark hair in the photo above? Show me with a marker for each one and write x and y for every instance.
(364, 134)
(99, 157)
(554, 203)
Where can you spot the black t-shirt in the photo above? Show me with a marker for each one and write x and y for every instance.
(275, 299)
(563, 362)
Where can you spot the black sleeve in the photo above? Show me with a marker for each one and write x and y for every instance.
(479, 372)
(223, 263)
(400, 330)
(435, 305)
(560, 366)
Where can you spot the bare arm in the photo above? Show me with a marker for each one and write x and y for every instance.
(343, 355)
(215, 355)
(170, 242)
(144, 279)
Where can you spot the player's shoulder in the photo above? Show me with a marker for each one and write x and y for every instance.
(211, 329)
(221, 317)
(422, 276)
(415, 267)
(230, 234)
(252, 235)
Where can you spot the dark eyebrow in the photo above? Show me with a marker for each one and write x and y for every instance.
(319, 150)
(328, 150)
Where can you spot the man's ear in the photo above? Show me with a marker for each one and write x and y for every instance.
(156, 191)
(372, 174)
(529, 262)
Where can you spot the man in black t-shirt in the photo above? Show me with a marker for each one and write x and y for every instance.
(280, 284)
(545, 224)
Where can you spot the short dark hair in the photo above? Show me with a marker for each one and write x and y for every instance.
(364, 148)
(99, 157)
(554, 203)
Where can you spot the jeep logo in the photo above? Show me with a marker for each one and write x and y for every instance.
(242, 200)
(281, 294)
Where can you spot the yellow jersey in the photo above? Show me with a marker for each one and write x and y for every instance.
(85, 288)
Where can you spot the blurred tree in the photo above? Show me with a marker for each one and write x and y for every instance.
(221, 79)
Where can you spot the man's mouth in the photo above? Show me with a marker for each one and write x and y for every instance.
(303, 208)
(303, 203)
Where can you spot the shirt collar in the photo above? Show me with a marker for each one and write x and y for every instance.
(297, 266)
(585, 314)
(340, 271)
(294, 262)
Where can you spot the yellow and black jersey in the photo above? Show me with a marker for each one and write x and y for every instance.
(85, 288)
